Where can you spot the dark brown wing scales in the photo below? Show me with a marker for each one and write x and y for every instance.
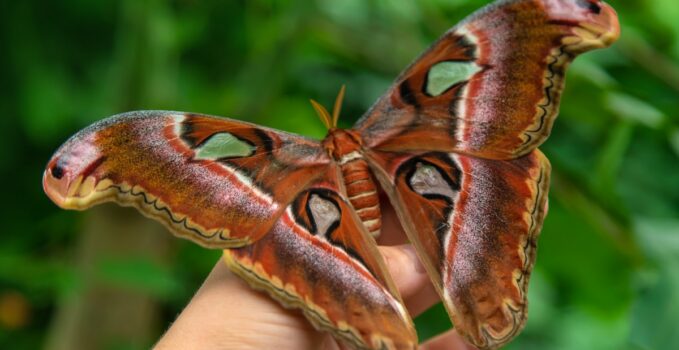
(490, 87)
(453, 143)
(318, 257)
(218, 182)
(474, 223)
(433, 181)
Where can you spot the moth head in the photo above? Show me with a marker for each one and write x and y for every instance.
(592, 24)
(342, 143)
(69, 178)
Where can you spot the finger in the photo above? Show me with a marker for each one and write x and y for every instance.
(391, 232)
(227, 313)
(449, 340)
(418, 292)
(410, 278)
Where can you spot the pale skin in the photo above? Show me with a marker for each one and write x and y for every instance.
(226, 313)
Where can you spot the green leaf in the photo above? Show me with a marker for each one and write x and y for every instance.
(632, 108)
(584, 263)
(432, 322)
(674, 140)
(656, 312)
(139, 273)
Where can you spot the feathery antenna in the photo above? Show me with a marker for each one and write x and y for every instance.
(330, 122)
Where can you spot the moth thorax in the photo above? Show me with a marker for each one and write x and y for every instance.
(339, 143)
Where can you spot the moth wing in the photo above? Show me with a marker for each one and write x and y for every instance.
(218, 182)
(490, 86)
(319, 258)
(474, 224)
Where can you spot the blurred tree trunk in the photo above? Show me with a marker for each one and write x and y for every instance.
(98, 314)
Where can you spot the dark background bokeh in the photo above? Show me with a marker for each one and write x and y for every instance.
(607, 273)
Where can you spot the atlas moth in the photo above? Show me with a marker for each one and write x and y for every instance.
(452, 144)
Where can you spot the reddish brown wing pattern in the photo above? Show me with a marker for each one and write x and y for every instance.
(228, 184)
(164, 164)
(318, 257)
(453, 143)
(491, 85)
(476, 223)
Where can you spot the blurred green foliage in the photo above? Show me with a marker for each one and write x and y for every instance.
(607, 274)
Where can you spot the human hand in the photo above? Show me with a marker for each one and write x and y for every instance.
(226, 313)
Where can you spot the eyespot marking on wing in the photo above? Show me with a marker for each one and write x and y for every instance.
(224, 145)
(444, 75)
(592, 6)
(427, 180)
(324, 212)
